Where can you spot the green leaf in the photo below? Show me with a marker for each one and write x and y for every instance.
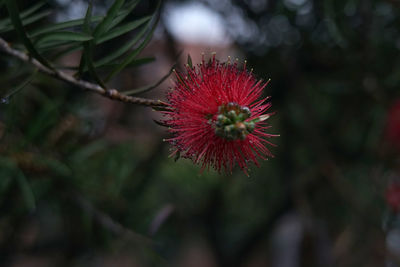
(32, 9)
(90, 65)
(24, 14)
(21, 85)
(87, 56)
(67, 36)
(63, 25)
(123, 49)
(7, 169)
(105, 24)
(26, 190)
(149, 87)
(43, 46)
(55, 44)
(161, 123)
(86, 29)
(126, 10)
(16, 21)
(57, 166)
(69, 49)
(36, 17)
(7, 163)
(5, 181)
(135, 63)
(133, 55)
(332, 26)
(119, 52)
(122, 29)
(181, 79)
(189, 61)
(79, 22)
(87, 151)
(28, 20)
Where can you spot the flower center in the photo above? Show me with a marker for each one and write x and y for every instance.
(231, 122)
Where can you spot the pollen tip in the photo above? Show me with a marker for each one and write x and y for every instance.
(264, 117)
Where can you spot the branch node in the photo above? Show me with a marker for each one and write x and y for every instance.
(112, 93)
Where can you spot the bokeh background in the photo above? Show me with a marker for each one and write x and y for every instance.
(86, 181)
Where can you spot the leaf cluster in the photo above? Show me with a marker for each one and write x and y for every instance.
(48, 42)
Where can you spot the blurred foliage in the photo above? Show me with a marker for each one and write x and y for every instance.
(72, 194)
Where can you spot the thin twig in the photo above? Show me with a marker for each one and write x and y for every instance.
(85, 85)
(107, 222)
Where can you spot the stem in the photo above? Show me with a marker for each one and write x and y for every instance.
(85, 85)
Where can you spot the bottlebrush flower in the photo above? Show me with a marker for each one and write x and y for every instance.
(393, 125)
(216, 116)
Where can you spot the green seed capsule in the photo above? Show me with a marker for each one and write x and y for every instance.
(231, 123)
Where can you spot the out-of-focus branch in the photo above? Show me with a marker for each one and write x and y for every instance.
(108, 223)
(85, 85)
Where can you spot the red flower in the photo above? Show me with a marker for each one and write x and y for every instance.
(217, 117)
(393, 125)
(393, 196)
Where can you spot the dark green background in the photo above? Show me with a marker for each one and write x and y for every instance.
(64, 171)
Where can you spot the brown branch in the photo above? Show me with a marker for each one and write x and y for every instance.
(85, 85)
(108, 223)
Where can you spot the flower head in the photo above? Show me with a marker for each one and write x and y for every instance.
(216, 116)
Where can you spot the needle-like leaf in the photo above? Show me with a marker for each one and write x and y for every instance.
(139, 49)
(20, 86)
(132, 55)
(105, 24)
(62, 26)
(67, 36)
(130, 26)
(148, 87)
(26, 190)
(125, 11)
(23, 15)
(19, 28)
(27, 21)
(87, 55)
(123, 49)
(189, 61)
(79, 22)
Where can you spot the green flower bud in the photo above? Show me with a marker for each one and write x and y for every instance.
(231, 123)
